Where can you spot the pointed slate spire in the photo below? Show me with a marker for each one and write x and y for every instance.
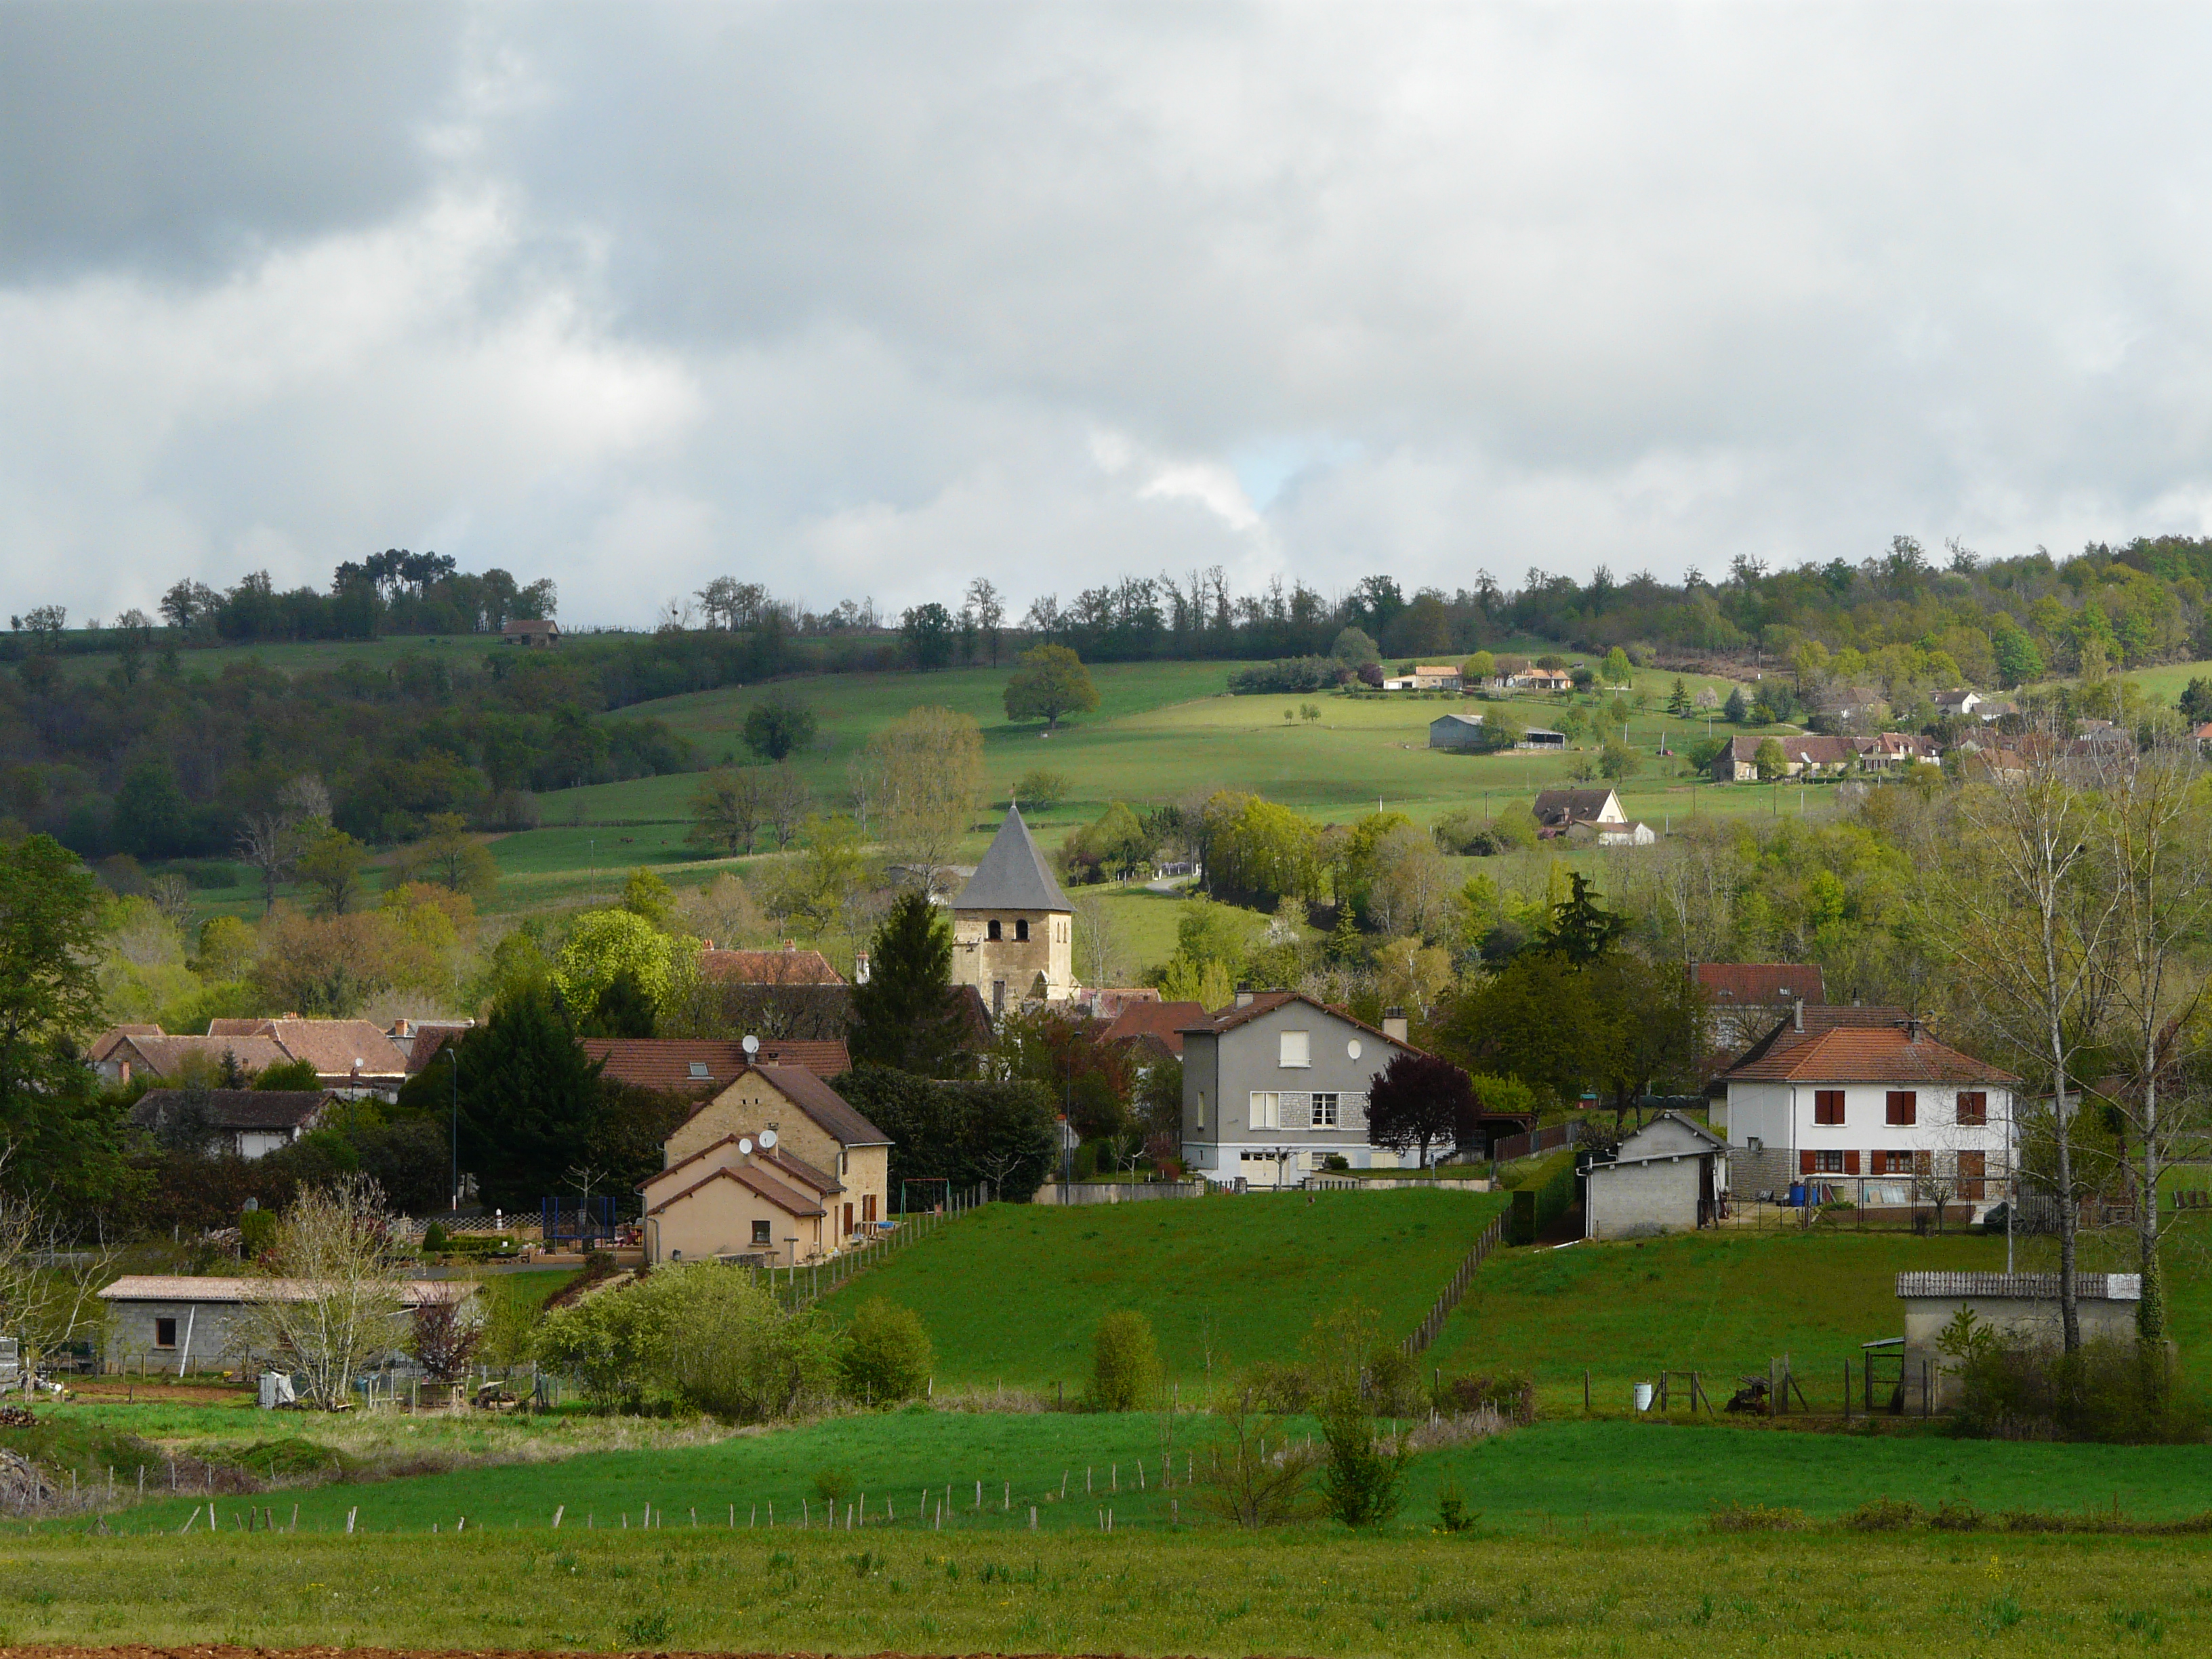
(1013, 875)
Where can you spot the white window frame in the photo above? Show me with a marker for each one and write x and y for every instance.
(1327, 1112)
(1266, 1109)
(1294, 1051)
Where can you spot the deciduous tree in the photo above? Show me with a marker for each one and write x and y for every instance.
(1050, 681)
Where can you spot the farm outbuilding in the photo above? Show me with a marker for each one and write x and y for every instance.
(1667, 1176)
(2020, 1307)
(180, 1321)
(1455, 732)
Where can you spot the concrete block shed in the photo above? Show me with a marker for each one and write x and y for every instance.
(180, 1323)
(1670, 1176)
(2021, 1307)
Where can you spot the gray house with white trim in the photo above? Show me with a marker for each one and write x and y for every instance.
(1274, 1085)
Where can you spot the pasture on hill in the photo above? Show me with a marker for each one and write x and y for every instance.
(1724, 1302)
(1014, 1293)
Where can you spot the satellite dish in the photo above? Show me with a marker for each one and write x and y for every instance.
(751, 1046)
(745, 1145)
(768, 1139)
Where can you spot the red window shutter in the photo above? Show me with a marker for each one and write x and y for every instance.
(1828, 1106)
(1804, 1163)
(1850, 1163)
(1903, 1106)
(1973, 1107)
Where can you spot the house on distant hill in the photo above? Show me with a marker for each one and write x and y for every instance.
(1959, 702)
(532, 631)
(1428, 676)
(1559, 810)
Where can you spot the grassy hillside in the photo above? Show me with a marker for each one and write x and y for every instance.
(1725, 1302)
(1014, 1293)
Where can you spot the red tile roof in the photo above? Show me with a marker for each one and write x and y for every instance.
(1732, 983)
(786, 967)
(1164, 1022)
(788, 1199)
(669, 1062)
(798, 1168)
(1888, 1053)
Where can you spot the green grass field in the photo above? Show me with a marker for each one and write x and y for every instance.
(1725, 1302)
(1014, 1293)
(1588, 1540)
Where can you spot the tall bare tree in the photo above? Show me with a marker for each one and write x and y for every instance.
(49, 1279)
(332, 1302)
(2158, 843)
(923, 774)
(990, 608)
(2032, 926)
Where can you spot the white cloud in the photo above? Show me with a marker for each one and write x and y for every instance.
(868, 300)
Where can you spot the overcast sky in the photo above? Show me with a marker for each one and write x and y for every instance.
(869, 301)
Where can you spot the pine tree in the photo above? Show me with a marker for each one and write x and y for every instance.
(1735, 709)
(902, 1016)
(528, 1096)
(1678, 700)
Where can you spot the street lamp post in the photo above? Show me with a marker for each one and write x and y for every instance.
(453, 1056)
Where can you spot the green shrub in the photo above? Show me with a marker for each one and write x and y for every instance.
(835, 1486)
(1957, 1516)
(1083, 1164)
(1543, 1194)
(702, 1336)
(1753, 1517)
(1451, 1508)
(1884, 1515)
(434, 1239)
(1283, 1386)
(1360, 1479)
(1511, 1395)
(888, 1356)
(1393, 1381)
(1125, 1363)
(256, 1232)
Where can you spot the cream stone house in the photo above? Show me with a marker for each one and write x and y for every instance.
(776, 1165)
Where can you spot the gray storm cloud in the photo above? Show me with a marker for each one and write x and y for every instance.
(871, 299)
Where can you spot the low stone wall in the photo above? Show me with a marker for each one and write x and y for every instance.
(1339, 1182)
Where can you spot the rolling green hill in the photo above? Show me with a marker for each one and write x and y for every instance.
(1014, 1293)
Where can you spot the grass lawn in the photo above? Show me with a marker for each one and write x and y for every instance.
(1588, 1543)
(1014, 1292)
(1724, 1302)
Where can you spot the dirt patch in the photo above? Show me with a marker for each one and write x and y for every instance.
(114, 1391)
(214, 1651)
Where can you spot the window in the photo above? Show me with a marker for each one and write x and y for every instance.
(1298, 1048)
(1828, 1106)
(761, 1234)
(164, 1332)
(990, 929)
(1324, 1112)
(1973, 1168)
(998, 993)
(1201, 1109)
(868, 1208)
(698, 1068)
(1021, 931)
(1828, 1163)
(1266, 1109)
(849, 1221)
(1973, 1107)
(1903, 1107)
(1887, 1163)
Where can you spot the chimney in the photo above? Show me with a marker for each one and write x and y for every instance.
(1244, 996)
(1797, 1015)
(1912, 1030)
(1393, 1024)
(705, 944)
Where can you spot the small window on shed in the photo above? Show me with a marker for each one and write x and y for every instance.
(164, 1332)
(1298, 1048)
